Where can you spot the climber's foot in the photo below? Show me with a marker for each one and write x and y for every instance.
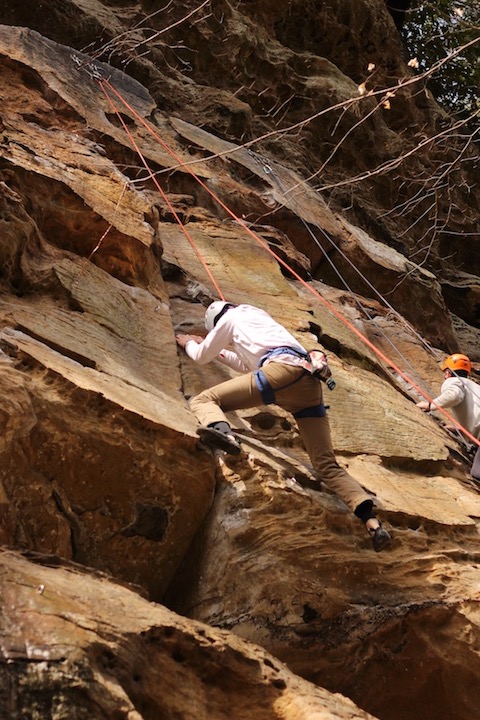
(218, 440)
(380, 538)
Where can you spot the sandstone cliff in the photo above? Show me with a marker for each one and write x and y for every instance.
(110, 514)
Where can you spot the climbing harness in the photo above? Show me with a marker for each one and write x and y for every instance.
(264, 387)
(282, 350)
(268, 393)
(318, 367)
(314, 361)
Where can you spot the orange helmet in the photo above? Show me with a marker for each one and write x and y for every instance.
(457, 362)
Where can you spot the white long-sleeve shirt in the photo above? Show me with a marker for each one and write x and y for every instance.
(463, 397)
(250, 333)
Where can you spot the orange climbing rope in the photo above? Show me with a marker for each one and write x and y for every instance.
(105, 83)
(159, 188)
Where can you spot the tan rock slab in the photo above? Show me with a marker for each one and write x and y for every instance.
(77, 640)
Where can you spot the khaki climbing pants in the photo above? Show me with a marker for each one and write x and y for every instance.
(294, 391)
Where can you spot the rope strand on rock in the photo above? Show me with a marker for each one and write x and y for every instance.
(163, 194)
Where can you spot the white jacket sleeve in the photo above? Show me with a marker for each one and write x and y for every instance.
(230, 358)
(216, 340)
(452, 393)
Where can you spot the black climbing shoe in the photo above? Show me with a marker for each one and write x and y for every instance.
(219, 440)
(380, 538)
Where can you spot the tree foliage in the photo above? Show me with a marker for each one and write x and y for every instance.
(434, 30)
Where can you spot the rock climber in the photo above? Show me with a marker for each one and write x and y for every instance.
(277, 369)
(462, 395)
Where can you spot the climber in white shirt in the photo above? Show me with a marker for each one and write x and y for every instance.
(462, 396)
(277, 369)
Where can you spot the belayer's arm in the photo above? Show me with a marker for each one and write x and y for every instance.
(452, 393)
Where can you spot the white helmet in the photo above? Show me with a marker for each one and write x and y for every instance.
(214, 310)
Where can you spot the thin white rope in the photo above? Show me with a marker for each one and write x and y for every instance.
(433, 351)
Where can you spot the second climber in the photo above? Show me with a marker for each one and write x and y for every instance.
(461, 395)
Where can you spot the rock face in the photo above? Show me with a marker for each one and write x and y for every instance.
(130, 200)
(144, 661)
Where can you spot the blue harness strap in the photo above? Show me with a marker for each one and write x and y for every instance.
(283, 350)
(261, 380)
(264, 387)
(311, 412)
(268, 397)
